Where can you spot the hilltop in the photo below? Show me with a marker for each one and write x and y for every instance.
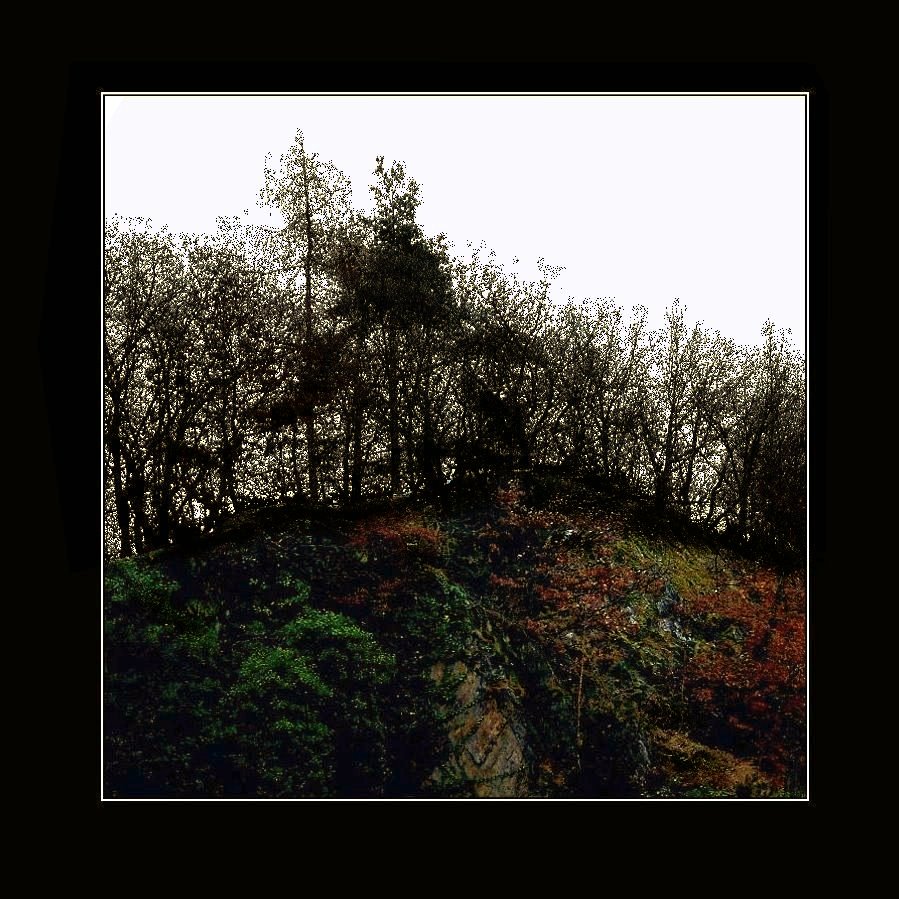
(541, 640)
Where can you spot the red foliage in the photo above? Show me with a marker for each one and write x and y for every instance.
(510, 496)
(397, 534)
(357, 598)
(743, 686)
(508, 583)
(750, 673)
(551, 595)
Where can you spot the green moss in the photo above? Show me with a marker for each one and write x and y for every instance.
(636, 552)
(689, 569)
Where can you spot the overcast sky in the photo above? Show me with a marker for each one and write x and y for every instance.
(642, 199)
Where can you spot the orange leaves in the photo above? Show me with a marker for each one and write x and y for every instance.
(358, 598)
(566, 582)
(488, 531)
(398, 534)
(427, 539)
(751, 672)
(505, 582)
(552, 595)
(510, 496)
(387, 587)
(757, 704)
(540, 520)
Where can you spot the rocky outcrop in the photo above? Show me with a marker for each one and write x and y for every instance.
(486, 742)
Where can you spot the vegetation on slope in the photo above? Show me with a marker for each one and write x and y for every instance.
(306, 656)
(500, 631)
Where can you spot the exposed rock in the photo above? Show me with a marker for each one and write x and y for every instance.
(668, 601)
(486, 755)
(672, 626)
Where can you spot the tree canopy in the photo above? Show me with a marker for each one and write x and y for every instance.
(348, 355)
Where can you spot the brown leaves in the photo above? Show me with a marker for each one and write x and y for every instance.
(752, 674)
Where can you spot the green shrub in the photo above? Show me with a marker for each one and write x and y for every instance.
(198, 706)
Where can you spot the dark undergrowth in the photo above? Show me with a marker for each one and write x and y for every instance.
(293, 653)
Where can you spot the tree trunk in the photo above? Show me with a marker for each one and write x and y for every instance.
(660, 495)
(430, 464)
(347, 441)
(143, 532)
(604, 449)
(747, 483)
(123, 514)
(294, 465)
(686, 498)
(312, 460)
(394, 430)
(164, 524)
(412, 472)
(663, 481)
(356, 488)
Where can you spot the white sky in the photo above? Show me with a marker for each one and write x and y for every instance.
(642, 199)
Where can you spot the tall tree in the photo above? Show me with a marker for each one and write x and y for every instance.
(313, 198)
(403, 292)
(598, 360)
(505, 387)
(763, 422)
(664, 412)
(143, 271)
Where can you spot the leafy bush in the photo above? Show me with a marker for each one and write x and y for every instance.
(197, 707)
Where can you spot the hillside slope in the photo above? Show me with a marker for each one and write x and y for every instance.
(539, 644)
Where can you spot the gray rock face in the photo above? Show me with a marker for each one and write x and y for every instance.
(668, 601)
(486, 757)
(672, 626)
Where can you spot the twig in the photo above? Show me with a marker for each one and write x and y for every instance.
(580, 693)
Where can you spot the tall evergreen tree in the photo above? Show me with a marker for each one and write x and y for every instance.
(314, 199)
